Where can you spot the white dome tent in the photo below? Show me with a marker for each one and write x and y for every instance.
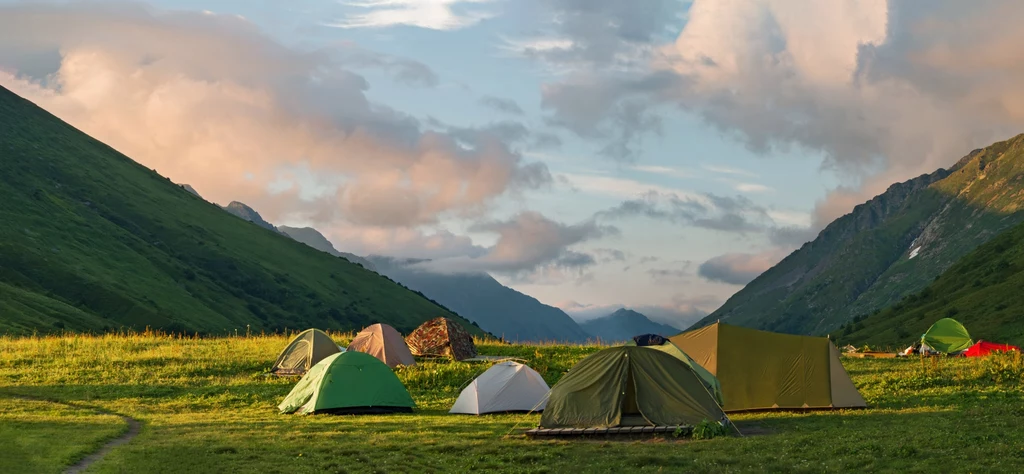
(505, 387)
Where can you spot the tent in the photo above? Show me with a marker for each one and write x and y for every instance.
(947, 336)
(629, 386)
(305, 350)
(384, 343)
(984, 348)
(666, 346)
(348, 383)
(508, 386)
(441, 337)
(761, 370)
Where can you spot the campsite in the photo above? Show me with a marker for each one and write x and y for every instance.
(210, 404)
(541, 236)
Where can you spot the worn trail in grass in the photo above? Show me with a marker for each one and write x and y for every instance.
(208, 405)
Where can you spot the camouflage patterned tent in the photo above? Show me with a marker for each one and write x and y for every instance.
(441, 337)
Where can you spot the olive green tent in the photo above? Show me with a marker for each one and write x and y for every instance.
(629, 386)
(710, 381)
(947, 336)
(761, 370)
(348, 383)
(305, 350)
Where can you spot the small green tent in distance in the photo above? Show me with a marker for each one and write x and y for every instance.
(947, 336)
(629, 386)
(305, 350)
(710, 381)
(348, 383)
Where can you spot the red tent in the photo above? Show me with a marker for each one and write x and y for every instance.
(983, 348)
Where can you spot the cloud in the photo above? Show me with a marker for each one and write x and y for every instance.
(791, 237)
(664, 171)
(605, 33)
(429, 14)
(603, 49)
(545, 140)
(752, 188)
(529, 246)
(671, 276)
(506, 106)
(610, 255)
(729, 171)
(586, 312)
(683, 311)
(882, 90)
(618, 187)
(507, 132)
(739, 268)
(728, 214)
(210, 100)
(403, 242)
(404, 70)
(617, 109)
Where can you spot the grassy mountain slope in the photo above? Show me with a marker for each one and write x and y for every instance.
(498, 309)
(91, 240)
(623, 324)
(891, 246)
(982, 291)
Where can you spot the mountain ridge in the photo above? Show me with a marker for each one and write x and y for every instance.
(623, 324)
(982, 291)
(94, 241)
(886, 248)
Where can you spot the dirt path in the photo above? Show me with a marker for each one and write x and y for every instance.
(134, 427)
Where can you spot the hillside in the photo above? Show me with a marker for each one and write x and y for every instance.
(315, 239)
(623, 324)
(93, 241)
(982, 291)
(498, 309)
(891, 246)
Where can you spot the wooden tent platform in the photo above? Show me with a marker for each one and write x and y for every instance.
(619, 430)
(872, 355)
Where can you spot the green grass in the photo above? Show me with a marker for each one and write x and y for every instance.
(43, 436)
(207, 405)
(92, 241)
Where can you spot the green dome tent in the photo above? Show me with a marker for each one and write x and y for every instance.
(348, 383)
(947, 336)
(629, 386)
(710, 381)
(305, 350)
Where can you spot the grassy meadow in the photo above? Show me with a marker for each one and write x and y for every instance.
(208, 405)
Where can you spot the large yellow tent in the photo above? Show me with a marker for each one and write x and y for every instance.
(761, 370)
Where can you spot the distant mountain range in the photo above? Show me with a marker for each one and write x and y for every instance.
(498, 309)
(92, 241)
(623, 324)
(890, 247)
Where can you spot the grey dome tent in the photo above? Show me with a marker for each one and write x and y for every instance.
(305, 350)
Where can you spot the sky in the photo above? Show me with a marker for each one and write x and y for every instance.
(594, 154)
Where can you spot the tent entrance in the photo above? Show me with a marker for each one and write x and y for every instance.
(631, 415)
